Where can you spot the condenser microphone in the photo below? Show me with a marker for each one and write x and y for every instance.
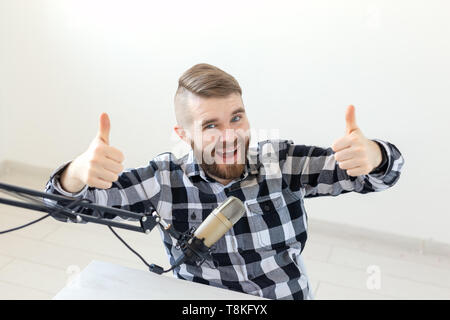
(218, 222)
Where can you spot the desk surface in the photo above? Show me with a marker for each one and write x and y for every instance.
(102, 280)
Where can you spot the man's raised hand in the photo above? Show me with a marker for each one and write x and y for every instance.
(100, 165)
(355, 153)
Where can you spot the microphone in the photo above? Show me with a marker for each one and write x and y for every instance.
(220, 221)
(197, 246)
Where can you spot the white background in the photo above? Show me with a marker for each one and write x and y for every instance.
(299, 63)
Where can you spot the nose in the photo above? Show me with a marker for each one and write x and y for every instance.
(228, 138)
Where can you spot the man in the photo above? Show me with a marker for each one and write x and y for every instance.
(261, 253)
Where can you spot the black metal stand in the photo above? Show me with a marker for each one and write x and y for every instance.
(147, 221)
(193, 248)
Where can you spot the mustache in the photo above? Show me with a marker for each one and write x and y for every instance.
(207, 154)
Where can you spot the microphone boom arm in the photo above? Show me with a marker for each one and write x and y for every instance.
(191, 246)
(147, 221)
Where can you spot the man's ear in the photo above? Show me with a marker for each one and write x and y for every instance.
(182, 133)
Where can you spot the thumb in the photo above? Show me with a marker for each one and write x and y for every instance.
(104, 127)
(350, 120)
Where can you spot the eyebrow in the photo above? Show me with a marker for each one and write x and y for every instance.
(209, 121)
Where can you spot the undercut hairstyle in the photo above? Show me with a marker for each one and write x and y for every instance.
(203, 80)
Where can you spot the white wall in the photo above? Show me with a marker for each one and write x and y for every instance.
(2, 138)
(2, 133)
(3, 64)
(300, 65)
(2, 90)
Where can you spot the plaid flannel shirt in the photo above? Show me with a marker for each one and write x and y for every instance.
(261, 253)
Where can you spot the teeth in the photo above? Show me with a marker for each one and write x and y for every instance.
(228, 153)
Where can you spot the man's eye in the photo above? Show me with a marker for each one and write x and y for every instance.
(210, 126)
(237, 118)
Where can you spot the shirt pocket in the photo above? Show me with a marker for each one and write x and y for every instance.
(184, 219)
(270, 222)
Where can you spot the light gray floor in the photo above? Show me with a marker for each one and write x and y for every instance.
(38, 261)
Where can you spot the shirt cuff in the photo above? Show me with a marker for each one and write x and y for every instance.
(55, 180)
(383, 167)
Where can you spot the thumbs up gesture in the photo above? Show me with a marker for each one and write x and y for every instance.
(100, 165)
(355, 153)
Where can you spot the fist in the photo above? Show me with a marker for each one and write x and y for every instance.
(355, 153)
(100, 165)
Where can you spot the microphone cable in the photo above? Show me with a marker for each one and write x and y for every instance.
(150, 266)
(25, 225)
(22, 196)
(54, 205)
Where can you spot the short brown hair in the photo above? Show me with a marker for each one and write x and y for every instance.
(204, 80)
(208, 81)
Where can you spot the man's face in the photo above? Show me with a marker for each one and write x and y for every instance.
(219, 134)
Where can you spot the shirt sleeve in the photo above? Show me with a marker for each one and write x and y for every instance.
(136, 190)
(314, 171)
(383, 166)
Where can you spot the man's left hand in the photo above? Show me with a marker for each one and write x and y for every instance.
(355, 153)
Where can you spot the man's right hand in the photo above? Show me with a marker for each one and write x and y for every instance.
(99, 166)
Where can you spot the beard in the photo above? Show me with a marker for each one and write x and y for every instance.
(224, 170)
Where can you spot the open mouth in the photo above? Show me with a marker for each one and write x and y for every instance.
(227, 156)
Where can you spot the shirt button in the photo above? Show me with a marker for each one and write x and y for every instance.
(193, 216)
(266, 207)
